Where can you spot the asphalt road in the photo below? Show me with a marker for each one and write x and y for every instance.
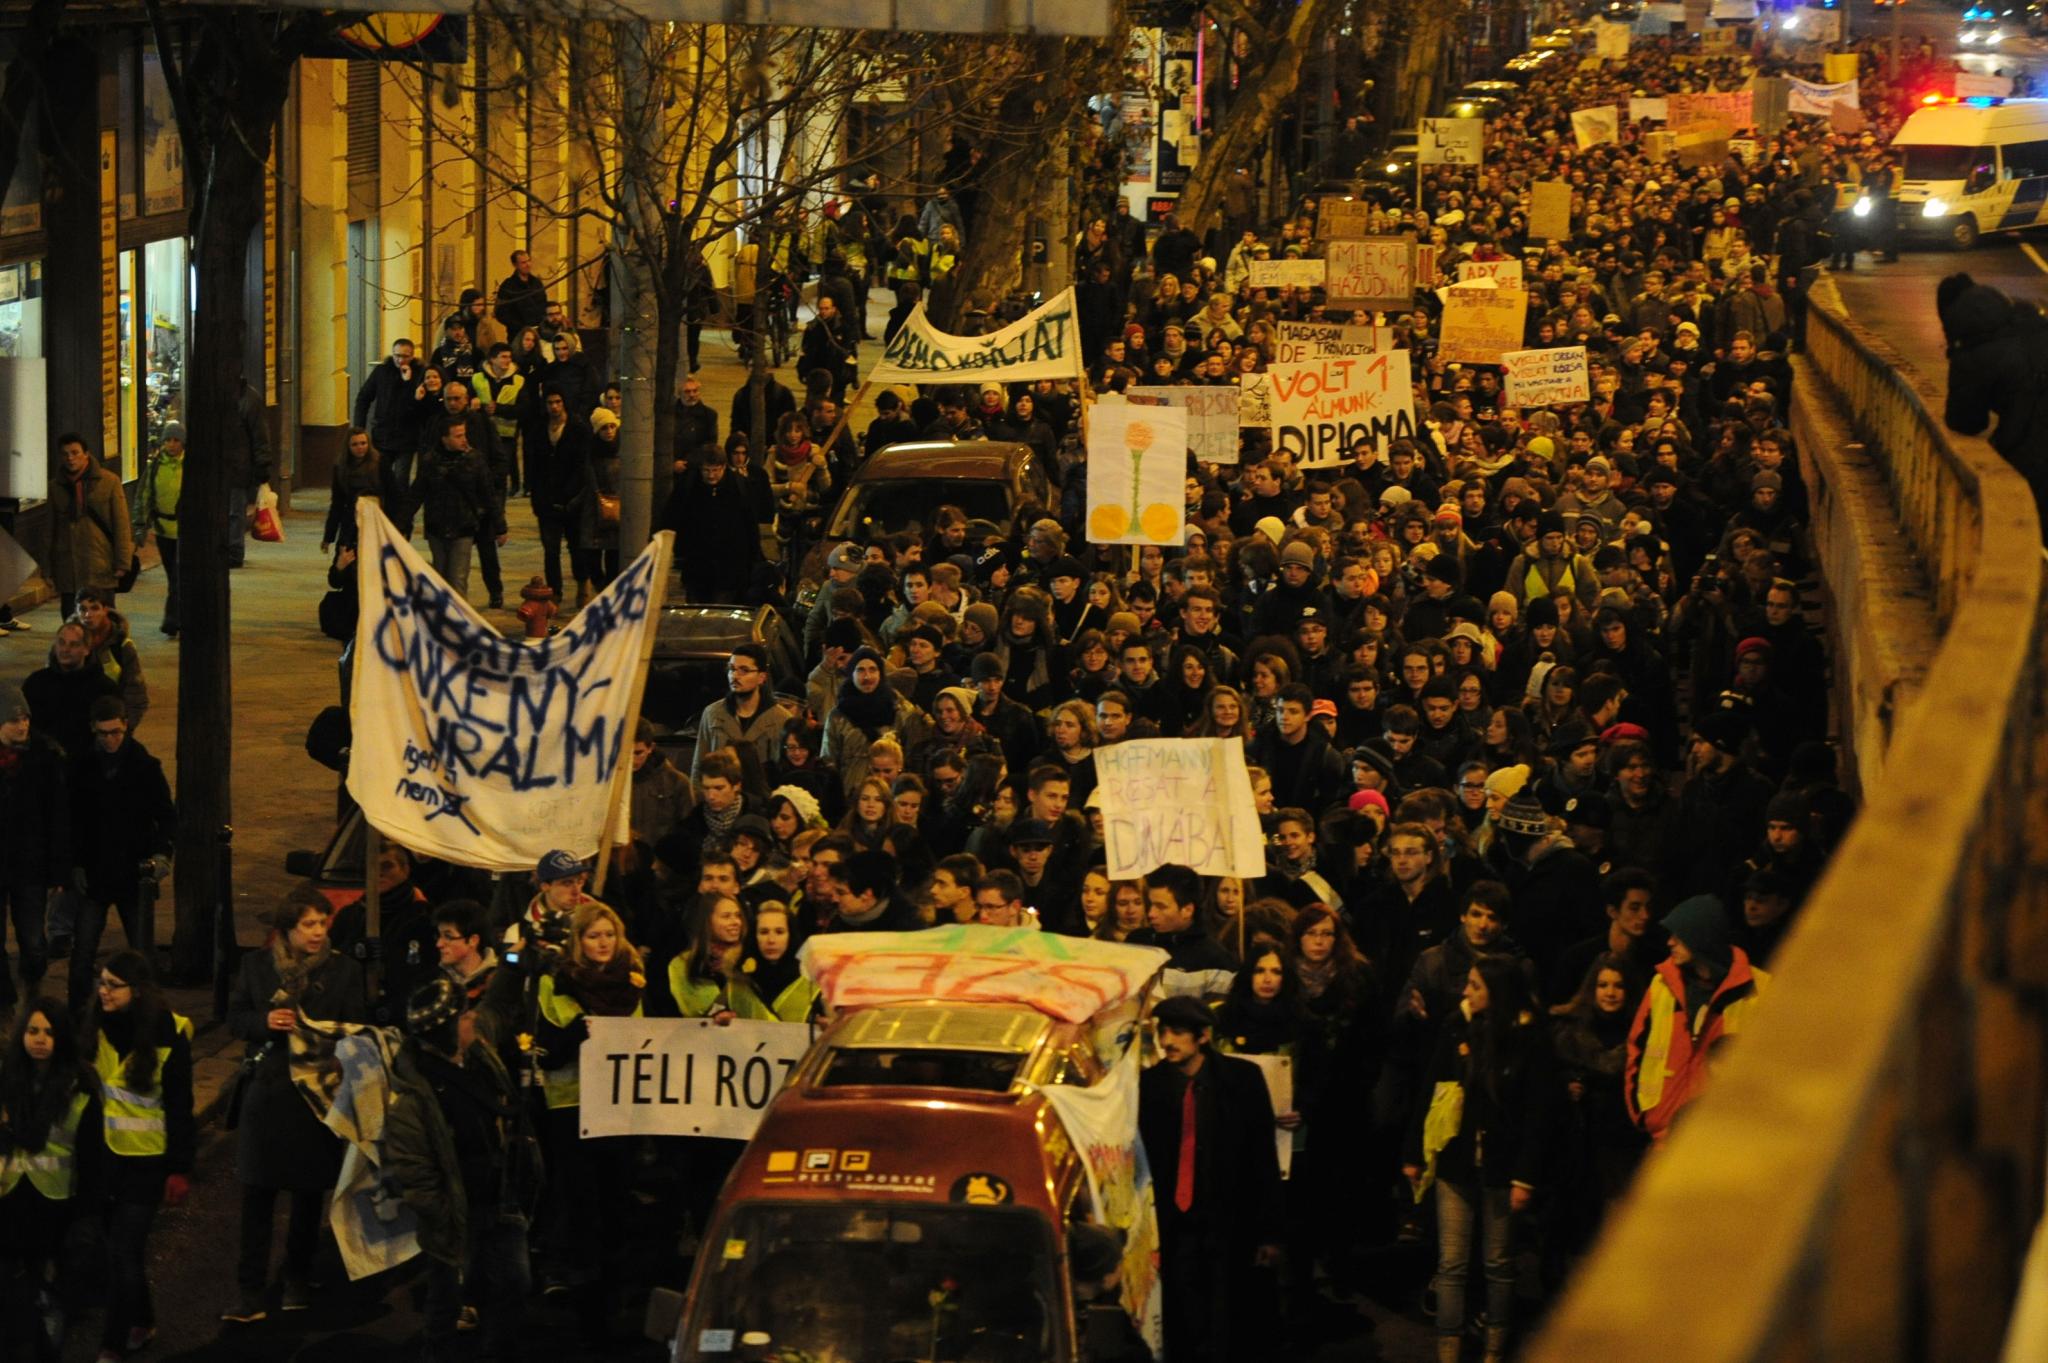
(1897, 300)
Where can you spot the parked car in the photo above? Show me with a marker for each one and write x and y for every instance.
(687, 670)
(902, 487)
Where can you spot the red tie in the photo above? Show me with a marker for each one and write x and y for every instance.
(1184, 1178)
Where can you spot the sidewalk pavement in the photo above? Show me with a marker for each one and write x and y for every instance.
(284, 671)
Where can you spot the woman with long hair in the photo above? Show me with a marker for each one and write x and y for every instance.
(52, 1155)
(1225, 715)
(1270, 671)
(1481, 1115)
(358, 473)
(792, 810)
(1591, 1037)
(601, 975)
(1072, 729)
(769, 969)
(142, 1051)
(280, 1145)
(1189, 680)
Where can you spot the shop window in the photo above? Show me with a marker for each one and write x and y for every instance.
(21, 311)
(166, 285)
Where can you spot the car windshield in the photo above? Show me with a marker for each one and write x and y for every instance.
(987, 1071)
(1945, 163)
(871, 1283)
(886, 506)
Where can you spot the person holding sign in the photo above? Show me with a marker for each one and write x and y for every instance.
(600, 975)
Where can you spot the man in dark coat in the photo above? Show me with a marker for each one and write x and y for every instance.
(1207, 1123)
(715, 524)
(35, 839)
(523, 297)
(1721, 807)
(1998, 358)
(385, 407)
(61, 695)
(122, 817)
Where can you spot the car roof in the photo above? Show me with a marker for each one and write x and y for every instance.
(1967, 125)
(711, 630)
(993, 460)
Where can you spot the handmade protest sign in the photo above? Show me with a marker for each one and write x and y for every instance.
(1045, 344)
(1810, 97)
(1376, 272)
(1481, 323)
(1545, 378)
(1074, 978)
(1254, 402)
(1182, 800)
(1137, 461)
(1596, 125)
(1610, 40)
(1340, 217)
(1730, 107)
(478, 749)
(1550, 209)
(1451, 141)
(1294, 342)
(1278, 1072)
(1286, 274)
(1500, 271)
(684, 1076)
(1211, 412)
(1322, 406)
(1647, 109)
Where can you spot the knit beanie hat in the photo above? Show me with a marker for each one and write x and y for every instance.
(808, 811)
(1503, 601)
(983, 616)
(1523, 814)
(1702, 924)
(1508, 781)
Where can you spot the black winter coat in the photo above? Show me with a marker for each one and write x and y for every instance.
(1998, 359)
(35, 815)
(1237, 1169)
(121, 815)
(1510, 1107)
(280, 1143)
(454, 493)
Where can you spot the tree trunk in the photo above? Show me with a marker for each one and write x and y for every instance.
(227, 211)
(1242, 139)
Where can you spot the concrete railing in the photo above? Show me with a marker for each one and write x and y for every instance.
(1861, 1181)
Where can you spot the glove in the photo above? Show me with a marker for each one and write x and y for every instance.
(176, 1189)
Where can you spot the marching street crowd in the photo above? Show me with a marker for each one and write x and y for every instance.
(1537, 721)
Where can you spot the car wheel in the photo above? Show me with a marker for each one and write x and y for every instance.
(1964, 234)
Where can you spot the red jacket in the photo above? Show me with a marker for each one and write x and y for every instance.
(1668, 1051)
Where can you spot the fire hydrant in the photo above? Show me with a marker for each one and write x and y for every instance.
(538, 607)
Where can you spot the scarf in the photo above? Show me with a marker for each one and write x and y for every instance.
(717, 824)
(611, 990)
(1315, 976)
(294, 969)
(770, 978)
(869, 711)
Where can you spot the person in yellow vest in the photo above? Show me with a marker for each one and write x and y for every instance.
(502, 389)
(707, 980)
(769, 969)
(601, 975)
(163, 485)
(142, 1051)
(52, 1151)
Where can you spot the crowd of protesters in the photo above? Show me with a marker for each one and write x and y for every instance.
(1536, 716)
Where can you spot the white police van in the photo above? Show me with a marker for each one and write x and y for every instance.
(1973, 166)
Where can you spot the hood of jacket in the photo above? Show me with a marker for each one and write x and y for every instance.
(1979, 313)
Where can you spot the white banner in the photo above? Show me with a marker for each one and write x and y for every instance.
(482, 750)
(1074, 978)
(1451, 141)
(1596, 125)
(684, 1076)
(1211, 412)
(1294, 342)
(1103, 1121)
(1180, 801)
(1137, 469)
(1322, 407)
(1506, 272)
(1809, 97)
(1286, 274)
(1546, 378)
(1044, 345)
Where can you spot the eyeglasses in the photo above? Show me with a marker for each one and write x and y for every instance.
(1471, 785)
(740, 670)
(110, 985)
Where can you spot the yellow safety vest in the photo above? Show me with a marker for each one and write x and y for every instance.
(52, 1169)
(561, 1084)
(136, 1124)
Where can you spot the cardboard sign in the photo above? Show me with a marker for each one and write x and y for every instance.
(1286, 274)
(1610, 40)
(1546, 378)
(1377, 272)
(1596, 125)
(1184, 801)
(1321, 407)
(1706, 145)
(1137, 458)
(1648, 110)
(1451, 141)
(1507, 272)
(1840, 66)
(1481, 323)
(1729, 108)
(1211, 411)
(1254, 402)
(1341, 218)
(1550, 210)
(1294, 342)
(684, 1076)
